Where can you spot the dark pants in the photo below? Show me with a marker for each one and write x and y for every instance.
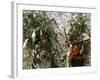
(76, 62)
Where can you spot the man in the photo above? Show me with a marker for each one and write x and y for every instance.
(76, 58)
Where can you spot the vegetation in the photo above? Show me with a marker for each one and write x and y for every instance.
(42, 47)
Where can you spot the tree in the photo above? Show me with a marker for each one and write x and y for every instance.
(38, 24)
(79, 24)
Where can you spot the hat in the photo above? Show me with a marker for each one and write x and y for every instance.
(85, 36)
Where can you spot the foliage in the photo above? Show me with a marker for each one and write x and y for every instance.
(79, 24)
(44, 29)
(43, 50)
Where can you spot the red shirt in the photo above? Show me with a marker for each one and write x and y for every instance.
(75, 50)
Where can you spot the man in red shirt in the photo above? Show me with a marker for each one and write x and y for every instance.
(76, 58)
